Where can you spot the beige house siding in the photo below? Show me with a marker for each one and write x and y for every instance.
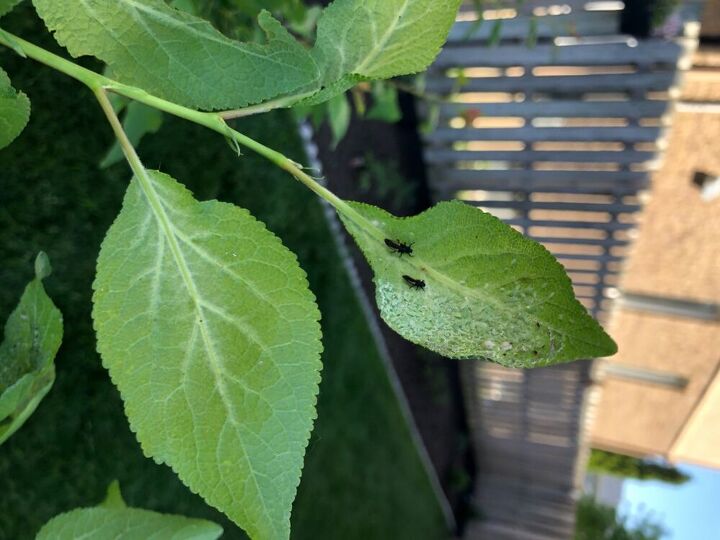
(711, 18)
(703, 82)
(676, 255)
(644, 418)
(699, 441)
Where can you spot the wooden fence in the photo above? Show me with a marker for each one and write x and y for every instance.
(557, 137)
(526, 428)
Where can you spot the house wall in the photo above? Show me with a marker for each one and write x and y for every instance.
(676, 255)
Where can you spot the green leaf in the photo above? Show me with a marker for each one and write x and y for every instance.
(6, 6)
(379, 39)
(334, 89)
(182, 58)
(489, 291)
(306, 21)
(14, 111)
(139, 120)
(339, 117)
(187, 6)
(495, 33)
(385, 104)
(207, 326)
(32, 337)
(113, 520)
(532, 36)
(114, 498)
(178, 56)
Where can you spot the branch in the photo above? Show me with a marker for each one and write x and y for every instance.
(215, 121)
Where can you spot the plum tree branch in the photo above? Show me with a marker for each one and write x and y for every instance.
(215, 121)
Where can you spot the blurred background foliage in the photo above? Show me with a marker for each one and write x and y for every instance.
(603, 462)
(596, 521)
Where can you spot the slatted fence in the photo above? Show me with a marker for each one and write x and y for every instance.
(557, 137)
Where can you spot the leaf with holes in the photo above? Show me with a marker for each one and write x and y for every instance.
(32, 337)
(207, 326)
(14, 111)
(178, 56)
(114, 520)
(474, 287)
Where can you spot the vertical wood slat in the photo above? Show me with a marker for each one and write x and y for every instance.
(526, 435)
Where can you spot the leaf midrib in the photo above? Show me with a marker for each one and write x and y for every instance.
(380, 45)
(153, 198)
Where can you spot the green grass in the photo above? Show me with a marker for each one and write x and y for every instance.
(362, 478)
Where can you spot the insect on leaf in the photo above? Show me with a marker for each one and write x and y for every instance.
(208, 328)
(475, 287)
(113, 520)
(14, 111)
(32, 337)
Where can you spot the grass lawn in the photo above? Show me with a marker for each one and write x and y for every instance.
(362, 476)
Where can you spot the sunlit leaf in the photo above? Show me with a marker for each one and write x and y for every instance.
(178, 56)
(207, 326)
(32, 337)
(379, 39)
(474, 287)
(182, 58)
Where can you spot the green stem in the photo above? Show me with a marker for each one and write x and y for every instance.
(99, 84)
(128, 149)
(87, 77)
(267, 106)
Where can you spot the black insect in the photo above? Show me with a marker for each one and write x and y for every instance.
(396, 246)
(414, 283)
